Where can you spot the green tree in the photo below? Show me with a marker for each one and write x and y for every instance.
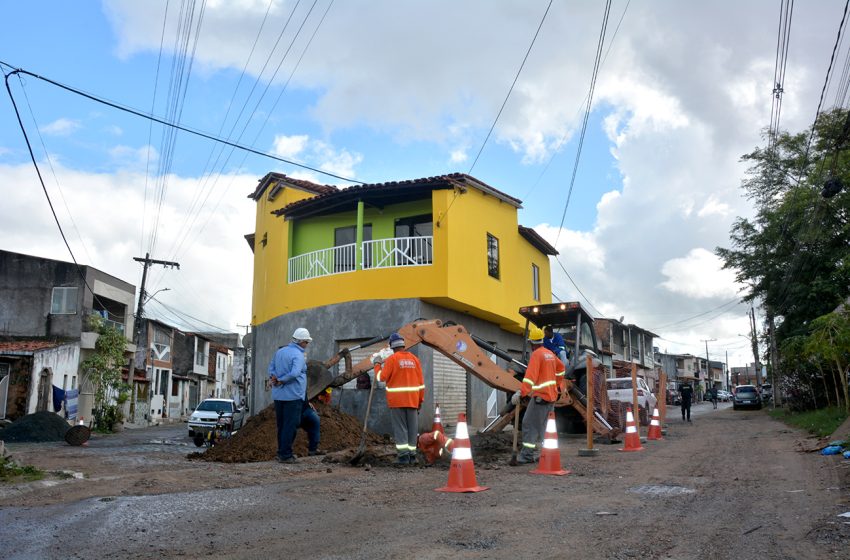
(830, 341)
(794, 253)
(103, 371)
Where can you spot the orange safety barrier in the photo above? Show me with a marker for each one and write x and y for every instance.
(632, 438)
(462, 470)
(550, 456)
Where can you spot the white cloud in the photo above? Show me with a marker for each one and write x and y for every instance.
(61, 127)
(458, 156)
(135, 157)
(106, 239)
(714, 207)
(289, 146)
(699, 275)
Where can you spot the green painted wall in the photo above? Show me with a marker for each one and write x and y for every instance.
(312, 234)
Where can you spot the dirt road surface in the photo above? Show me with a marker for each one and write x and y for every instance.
(729, 485)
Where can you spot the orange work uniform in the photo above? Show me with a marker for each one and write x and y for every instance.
(544, 376)
(403, 375)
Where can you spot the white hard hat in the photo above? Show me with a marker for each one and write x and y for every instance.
(301, 334)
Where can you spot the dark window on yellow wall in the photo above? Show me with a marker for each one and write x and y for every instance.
(535, 281)
(492, 256)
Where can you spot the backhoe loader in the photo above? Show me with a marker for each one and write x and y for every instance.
(470, 352)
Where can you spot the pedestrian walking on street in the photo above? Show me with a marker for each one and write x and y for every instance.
(402, 373)
(714, 397)
(686, 392)
(288, 377)
(543, 382)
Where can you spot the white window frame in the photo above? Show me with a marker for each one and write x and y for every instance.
(66, 300)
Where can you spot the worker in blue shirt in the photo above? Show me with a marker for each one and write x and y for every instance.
(555, 343)
(288, 377)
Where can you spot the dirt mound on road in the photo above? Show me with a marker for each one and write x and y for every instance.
(39, 426)
(257, 440)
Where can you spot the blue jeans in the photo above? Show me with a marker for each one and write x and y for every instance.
(310, 424)
(288, 417)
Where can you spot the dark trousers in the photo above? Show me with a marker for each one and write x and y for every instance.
(288, 416)
(310, 424)
(686, 407)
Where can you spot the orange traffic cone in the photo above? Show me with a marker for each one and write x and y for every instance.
(632, 436)
(654, 427)
(550, 457)
(438, 421)
(81, 423)
(461, 471)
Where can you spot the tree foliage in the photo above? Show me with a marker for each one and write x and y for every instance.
(794, 253)
(103, 370)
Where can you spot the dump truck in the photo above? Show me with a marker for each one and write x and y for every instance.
(470, 352)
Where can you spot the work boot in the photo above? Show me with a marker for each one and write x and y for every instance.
(412, 460)
(525, 458)
(401, 461)
(316, 452)
(287, 461)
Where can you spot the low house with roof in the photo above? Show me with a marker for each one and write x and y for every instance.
(353, 263)
(628, 344)
(46, 331)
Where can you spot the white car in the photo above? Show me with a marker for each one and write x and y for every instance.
(620, 389)
(723, 395)
(206, 415)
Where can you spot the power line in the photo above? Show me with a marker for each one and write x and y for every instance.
(593, 77)
(184, 314)
(502, 108)
(730, 302)
(589, 303)
(177, 126)
(578, 111)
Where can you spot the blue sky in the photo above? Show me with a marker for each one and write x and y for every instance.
(399, 90)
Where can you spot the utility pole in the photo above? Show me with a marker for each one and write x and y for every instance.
(148, 261)
(728, 375)
(754, 341)
(707, 362)
(245, 363)
(774, 354)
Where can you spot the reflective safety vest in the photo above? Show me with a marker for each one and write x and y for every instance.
(403, 375)
(544, 375)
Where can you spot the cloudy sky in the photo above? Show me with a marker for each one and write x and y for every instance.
(389, 90)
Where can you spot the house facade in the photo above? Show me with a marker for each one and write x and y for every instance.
(354, 263)
(627, 345)
(45, 327)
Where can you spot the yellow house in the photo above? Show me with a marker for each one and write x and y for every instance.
(352, 263)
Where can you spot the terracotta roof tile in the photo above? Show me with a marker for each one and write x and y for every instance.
(27, 345)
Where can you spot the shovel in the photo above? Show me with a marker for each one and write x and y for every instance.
(362, 448)
(513, 461)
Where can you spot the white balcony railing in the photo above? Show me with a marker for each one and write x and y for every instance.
(398, 251)
(323, 262)
(381, 253)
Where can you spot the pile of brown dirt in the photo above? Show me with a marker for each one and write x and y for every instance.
(257, 440)
(39, 426)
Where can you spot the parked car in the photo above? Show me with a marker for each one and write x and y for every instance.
(746, 396)
(620, 389)
(206, 415)
(766, 392)
(673, 397)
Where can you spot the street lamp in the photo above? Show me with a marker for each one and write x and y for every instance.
(156, 292)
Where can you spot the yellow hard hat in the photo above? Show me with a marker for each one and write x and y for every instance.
(535, 335)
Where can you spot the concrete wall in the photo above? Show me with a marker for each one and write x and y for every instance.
(59, 361)
(363, 320)
(26, 290)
